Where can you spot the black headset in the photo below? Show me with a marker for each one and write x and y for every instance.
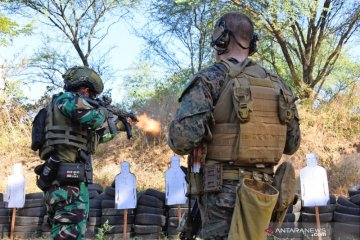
(221, 38)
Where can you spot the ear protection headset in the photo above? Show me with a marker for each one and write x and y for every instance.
(221, 39)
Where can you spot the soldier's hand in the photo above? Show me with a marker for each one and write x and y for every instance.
(129, 121)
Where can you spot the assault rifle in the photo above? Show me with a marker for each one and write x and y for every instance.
(105, 101)
(193, 222)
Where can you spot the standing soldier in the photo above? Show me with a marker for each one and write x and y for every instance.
(73, 127)
(235, 119)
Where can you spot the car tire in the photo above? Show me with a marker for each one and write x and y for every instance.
(347, 228)
(322, 209)
(94, 221)
(103, 196)
(146, 209)
(108, 204)
(347, 210)
(145, 229)
(32, 212)
(354, 190)
(30, 228)
(30, 203)
(117, 220)
(355, 199)
(172, 231)
(150, 219)
(155, 193)
(150, 201)
(110, 191)
(5, 211)
(289, 217)
(36, 195)
(332, 199)
(119, 236)
(24, 221)
(95, 212)
(95, 203)
(311, 217)
(119, 228)
(93, 194)
(95, 187)
(152, 236)
(346, 218)
(346, 202)
(5, 219)
(115, 212)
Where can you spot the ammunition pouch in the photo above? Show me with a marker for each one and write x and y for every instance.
(240, 173)
(64, 173)
(242, 101)
(86, 159)
(213, 176)
(41, 181)
(196, 186)
(286, 106)
(70, 173)
(46, 173)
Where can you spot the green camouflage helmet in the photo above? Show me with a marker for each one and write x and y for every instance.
(77, 76)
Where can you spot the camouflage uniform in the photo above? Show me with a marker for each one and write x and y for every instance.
(191, 127)
(68, 205)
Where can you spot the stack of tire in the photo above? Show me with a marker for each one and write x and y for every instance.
(326, 213)
(94, 219)
(347, 215)
(5, 217)
(150, 215)
(115, 217)
(291, 221)
(172, 219)
(29, 219)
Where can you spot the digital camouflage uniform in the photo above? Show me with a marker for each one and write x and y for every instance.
(191, 127)
(68, 205)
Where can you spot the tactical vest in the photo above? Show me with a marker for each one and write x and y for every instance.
(65, 136)
(247, 126)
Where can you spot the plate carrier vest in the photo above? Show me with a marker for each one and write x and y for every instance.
(247, 126)
(61, 130)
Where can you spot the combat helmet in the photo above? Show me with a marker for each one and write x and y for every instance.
(81, 76)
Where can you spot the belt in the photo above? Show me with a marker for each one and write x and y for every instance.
(240, 173)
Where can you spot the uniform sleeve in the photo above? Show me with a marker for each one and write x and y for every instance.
(190, 126)
(79, 110)
(293, 135)
(106, 135)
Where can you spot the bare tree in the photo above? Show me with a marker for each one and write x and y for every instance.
(310, 33)
(76, 28)
(79, 20)
(178, 32)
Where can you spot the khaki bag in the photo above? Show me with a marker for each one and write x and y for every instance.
(285, 182)
(254, 205)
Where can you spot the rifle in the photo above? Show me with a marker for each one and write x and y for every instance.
(105, 102)
(193, 222)
(193, 219)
